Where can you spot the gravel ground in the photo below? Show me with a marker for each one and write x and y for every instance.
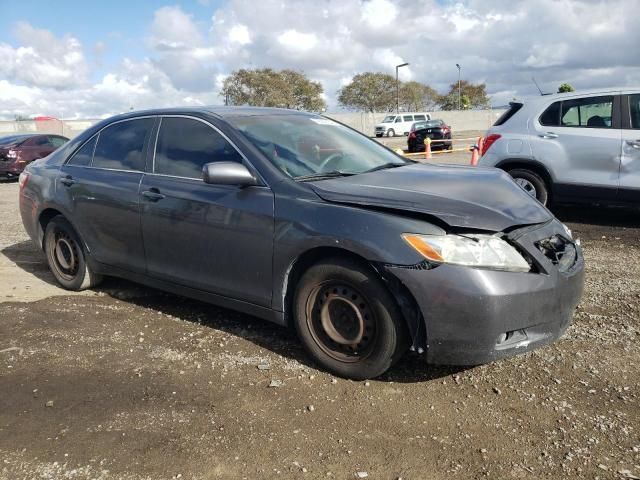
(127, 382)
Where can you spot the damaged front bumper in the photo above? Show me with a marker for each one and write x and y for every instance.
(473, 316)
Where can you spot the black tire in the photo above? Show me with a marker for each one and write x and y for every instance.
(532, 181)
(368, 317)
(66, 256)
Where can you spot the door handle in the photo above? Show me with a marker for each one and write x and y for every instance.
(153, 195)
(634, 143)
(67, 181)
(548, 135)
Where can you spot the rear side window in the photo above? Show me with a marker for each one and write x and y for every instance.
(186, 145)
(419, 117)
(591, 112)
(57, 142)
(408, 118)
(121, 145)
(513, 109)
(82, 157)
(551, 116)
(634, 105)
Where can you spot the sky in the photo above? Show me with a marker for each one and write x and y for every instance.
(89, 59)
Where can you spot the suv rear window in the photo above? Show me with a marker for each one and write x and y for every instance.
(551, 116)
(591, 112)
(513, 109)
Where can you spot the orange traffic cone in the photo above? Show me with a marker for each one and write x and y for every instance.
(474, 155)
(427, 148)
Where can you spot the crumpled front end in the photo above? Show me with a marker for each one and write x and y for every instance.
(474, 315)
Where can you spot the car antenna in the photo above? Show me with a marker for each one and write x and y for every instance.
(538, 87)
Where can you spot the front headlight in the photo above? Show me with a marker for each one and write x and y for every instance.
(485, 251)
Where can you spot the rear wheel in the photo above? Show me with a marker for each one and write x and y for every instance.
(347, 320)
(531, 183)
(66, 256)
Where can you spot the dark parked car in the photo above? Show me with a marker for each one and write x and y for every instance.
(17, 151)
(435, 130)
(300, 220)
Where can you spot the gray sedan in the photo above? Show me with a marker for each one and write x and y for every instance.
(300, 220)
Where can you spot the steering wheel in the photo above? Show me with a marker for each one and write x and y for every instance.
(329, 159)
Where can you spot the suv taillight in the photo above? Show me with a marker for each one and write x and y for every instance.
(488, 141)
(23, 179)
(412, 134)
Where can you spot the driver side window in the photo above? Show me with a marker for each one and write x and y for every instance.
(185, 145)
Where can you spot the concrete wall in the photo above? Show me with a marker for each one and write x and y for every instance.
(458, 120)
(365, 122)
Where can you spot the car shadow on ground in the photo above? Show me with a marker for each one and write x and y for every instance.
(26, 256)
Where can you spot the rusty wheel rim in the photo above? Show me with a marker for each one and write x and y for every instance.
(64, 254)
(341, 321)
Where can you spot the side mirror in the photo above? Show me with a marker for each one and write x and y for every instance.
(228, 173)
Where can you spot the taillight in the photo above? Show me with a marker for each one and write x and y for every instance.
(488, 141)
(23, 179)
(412, 135)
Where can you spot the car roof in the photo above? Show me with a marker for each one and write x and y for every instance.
(220, 111)
(580, 93)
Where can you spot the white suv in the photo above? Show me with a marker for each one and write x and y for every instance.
(578, 146)
(399, 124)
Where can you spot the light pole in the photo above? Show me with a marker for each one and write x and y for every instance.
(398, 87)
(459, 91)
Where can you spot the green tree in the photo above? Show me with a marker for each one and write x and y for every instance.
(473, 96)
(369, 92)
(270, 88)
(416, 96)
(566, 87)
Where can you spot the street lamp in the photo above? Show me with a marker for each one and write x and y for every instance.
(459, 91)
(398, 87)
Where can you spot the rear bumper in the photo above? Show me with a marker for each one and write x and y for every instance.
(474, 316)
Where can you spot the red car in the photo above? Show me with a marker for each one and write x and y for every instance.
(17, 151)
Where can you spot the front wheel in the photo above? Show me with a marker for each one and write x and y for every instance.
(66, 256)
(347, 320)
(391, 133)
(531, 183)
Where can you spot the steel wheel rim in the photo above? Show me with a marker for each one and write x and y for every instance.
(64, 254)
(341, 321)
(527, 186)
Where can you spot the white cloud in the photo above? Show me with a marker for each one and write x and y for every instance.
(379, 13)
(297, 41)
(239, 34)
(500, 42)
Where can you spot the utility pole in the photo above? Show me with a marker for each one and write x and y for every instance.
(398, 87)
(459, 89)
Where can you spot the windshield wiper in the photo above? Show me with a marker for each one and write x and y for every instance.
(322, 175)
(384, 166)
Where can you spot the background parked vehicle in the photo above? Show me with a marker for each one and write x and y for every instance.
(17, 151)
(578, 146)
(400, 124)
(435, 130)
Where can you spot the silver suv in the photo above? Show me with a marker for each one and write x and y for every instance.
(578, 146)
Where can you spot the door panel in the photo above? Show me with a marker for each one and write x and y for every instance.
(214, 238)
(101, 184)
(582, 145)
(630, 164)
(105, 208)
(217, 238)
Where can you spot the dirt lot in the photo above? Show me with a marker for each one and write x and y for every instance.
(128, 382)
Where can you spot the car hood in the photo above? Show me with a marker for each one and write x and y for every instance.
(464, 197)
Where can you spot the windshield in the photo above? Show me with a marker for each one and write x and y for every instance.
(389, 119)
(303, 146)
